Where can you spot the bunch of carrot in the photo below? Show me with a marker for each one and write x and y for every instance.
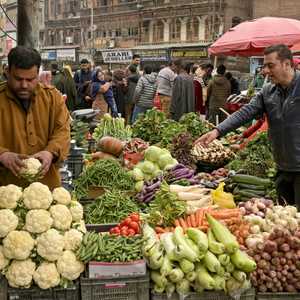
(232, 218)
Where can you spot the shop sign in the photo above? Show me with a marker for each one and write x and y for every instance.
(117, 56)
(66, 54)
(49, 55)
(153, 55)
(190, 53)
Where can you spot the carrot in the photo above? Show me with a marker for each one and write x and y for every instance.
(188, 221)
(182, 223)
(201, 217)
(177, 223)
(193, 220)
(219, 214)
(159, 229)
(203, 228)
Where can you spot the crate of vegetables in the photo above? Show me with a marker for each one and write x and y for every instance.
(209, 295)
(129, 288)
(278, 296)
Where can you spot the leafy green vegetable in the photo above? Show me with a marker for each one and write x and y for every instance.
(194, 125)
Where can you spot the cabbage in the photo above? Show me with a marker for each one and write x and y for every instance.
(139, 186)
(157, 170)
(137, 174)
(165, 160)
(148, 167)
(153, 153)
(148, 177)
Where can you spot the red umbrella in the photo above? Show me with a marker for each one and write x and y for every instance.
(252, 37)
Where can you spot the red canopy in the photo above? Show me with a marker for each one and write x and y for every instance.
(252, 37)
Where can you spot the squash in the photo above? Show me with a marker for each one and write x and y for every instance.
(111, 145)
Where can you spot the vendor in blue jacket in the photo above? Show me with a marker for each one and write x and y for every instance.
(280, 101)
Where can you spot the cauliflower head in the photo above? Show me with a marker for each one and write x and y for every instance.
(20, 272)
(61, 196)
(80, 226)
(69, 266)
(32, 167)
(10, 195)
(61, 216)
(3, 260)
(46, 276)
(8, 222)
(76, 210)
(37, 196)
(18, 245)
(73, 239)
(38, 221)
(50, 245)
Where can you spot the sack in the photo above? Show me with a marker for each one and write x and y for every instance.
(156, 102)
(221, 198)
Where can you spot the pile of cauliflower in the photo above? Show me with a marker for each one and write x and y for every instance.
(39, 232)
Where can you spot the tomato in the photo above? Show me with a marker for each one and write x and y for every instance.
(112, 230)
(135, 217)
(115, 230)
(135, 226)
(126, 222)
(124, 231)
(130, 232)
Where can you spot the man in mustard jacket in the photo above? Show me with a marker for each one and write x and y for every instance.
(34, 121)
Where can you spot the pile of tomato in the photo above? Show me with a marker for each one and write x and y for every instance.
(128, 227)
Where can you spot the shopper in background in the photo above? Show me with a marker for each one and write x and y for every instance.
(183, 95)
(218, 91)
(131, 83)
(136, 61)
(69, 89)
(119, 86)
(200, 89)
(234, 84)
(144, 92)
(83, 80)
(165, 82)
(36, 118)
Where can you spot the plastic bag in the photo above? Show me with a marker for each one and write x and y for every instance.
(221, 198)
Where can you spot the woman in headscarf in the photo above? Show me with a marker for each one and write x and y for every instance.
(69, 88)
(200, 90)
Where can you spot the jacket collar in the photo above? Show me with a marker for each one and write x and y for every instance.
(9, 93)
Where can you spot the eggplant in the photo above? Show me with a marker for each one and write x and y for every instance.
(178, 167)
(153, 187)
(180, 172)
(148, 198)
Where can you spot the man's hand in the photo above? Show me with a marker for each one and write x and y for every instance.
(88, 98)
(207, 138)
(46, 158)
(13, 161)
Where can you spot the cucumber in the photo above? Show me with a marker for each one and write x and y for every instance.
(251, 187)
(248, 179)
(258, 193)
(248, 194)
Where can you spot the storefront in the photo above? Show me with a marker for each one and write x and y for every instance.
(196, 54)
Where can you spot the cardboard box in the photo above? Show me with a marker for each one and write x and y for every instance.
(114, 270)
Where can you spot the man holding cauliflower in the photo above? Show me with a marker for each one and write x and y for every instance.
(34, 121)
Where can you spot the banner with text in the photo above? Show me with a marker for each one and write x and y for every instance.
(117, 56)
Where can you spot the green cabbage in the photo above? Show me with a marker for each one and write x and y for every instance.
(137, 174)
(139, 186)
(153, 153)
(148, 167)
(165, 160)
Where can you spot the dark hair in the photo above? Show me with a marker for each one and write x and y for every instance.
(221, 69)
(84, 61)
(118, 75)
(132, 68)
(194, 68)
(109, 73)
(283, 52)
(178, 63)
(54, 66)
(134, 56)
(148, 69)
(228, 75)
(188, 66)
(24, 58)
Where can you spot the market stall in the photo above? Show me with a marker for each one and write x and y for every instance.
(152, 216)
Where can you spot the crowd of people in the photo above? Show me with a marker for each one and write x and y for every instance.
(176, 88)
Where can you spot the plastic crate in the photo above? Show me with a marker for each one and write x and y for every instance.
(247, 295)
(278, 296)
(3, 288)
(122, 288)
(35, 293)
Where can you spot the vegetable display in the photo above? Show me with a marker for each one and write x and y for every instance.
(128, 227)
(109, 248)
(183, 262)
(180, 173)
(146, 190)
(79, 133)
(107, 174)
(111, 207)
(195, 126)
(134, 152)
(113, 127)
(39, 236)
(110, 145)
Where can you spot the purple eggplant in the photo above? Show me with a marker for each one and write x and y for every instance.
(178, 167)
(154, 186)
(149, 198)
(180, 172)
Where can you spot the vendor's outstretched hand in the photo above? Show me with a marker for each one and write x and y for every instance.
(46, 158)
(207, 138)
(13, 161)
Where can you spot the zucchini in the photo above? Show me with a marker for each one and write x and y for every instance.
(258, 193)
(250, 194)
(251, 187)
(248, 179)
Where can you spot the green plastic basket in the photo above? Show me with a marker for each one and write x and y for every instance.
(278, 296)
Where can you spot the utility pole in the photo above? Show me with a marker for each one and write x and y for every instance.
(28, 23)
